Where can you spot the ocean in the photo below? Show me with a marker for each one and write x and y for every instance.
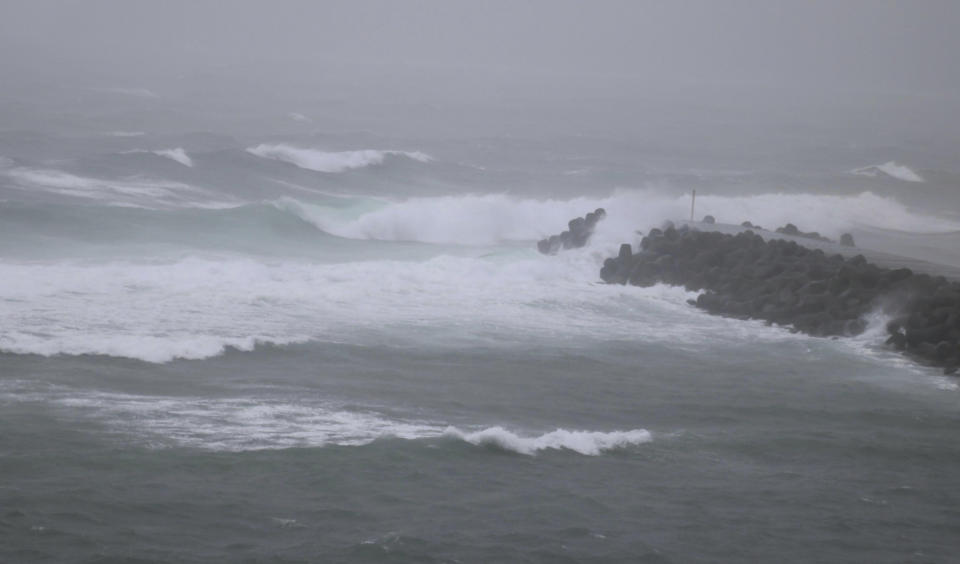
(345, 347)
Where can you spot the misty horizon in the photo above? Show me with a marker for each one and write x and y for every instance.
(775, 62)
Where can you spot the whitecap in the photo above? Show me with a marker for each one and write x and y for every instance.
(326, 161)
(590, 443)
(177, 154)
(485, 219)
(137, 191)
(891, 169)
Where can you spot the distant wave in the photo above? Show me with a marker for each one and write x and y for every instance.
(131, 191)
(891, 169)
(590, 443)
(322, 161)
(126, 133)
(178, 154)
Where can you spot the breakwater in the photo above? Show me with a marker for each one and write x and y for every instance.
(578, 233)
(786, 283)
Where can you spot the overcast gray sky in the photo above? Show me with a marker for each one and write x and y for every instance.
(910, 45)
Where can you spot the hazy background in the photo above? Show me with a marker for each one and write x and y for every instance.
(882, 68)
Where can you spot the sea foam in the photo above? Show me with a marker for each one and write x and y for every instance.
(256, 423)
(590, 443)
(197, 308)
(492, 218)
(178, 155)
(240, 424)
(891, 169)
(324, 161)
(130, 191)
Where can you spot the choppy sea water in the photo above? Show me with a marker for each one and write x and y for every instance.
(277, 351)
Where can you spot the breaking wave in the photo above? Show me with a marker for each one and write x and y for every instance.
(488, 219)
(258, 423)
(178, 155)
(590, 443)
(891, 169)
(323, 161)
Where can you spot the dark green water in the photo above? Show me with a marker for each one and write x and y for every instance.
(261, 359)
(804, 450)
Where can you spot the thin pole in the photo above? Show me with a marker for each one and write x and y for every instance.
(693, 201)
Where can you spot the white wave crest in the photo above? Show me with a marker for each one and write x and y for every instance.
(178, 155)
(488, 219)
(891, 169)
(146, 347)
(131, 191)
(590, 443)
(323, 161)
(257, 423)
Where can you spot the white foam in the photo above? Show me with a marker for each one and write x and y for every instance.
(946, 384)
(590, 443)
(178, 155)
(324, 161)
(255, 423)
(469, 219)
(195, 308)
(132, 191)
(870, 345)
(296, 116)
(240, 424)
(155, 348)
(891, 169)
(492, 218)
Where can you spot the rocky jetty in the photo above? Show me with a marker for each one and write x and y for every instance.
(579, 231)
(790, 229)
(794, 231)
(785, 283)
